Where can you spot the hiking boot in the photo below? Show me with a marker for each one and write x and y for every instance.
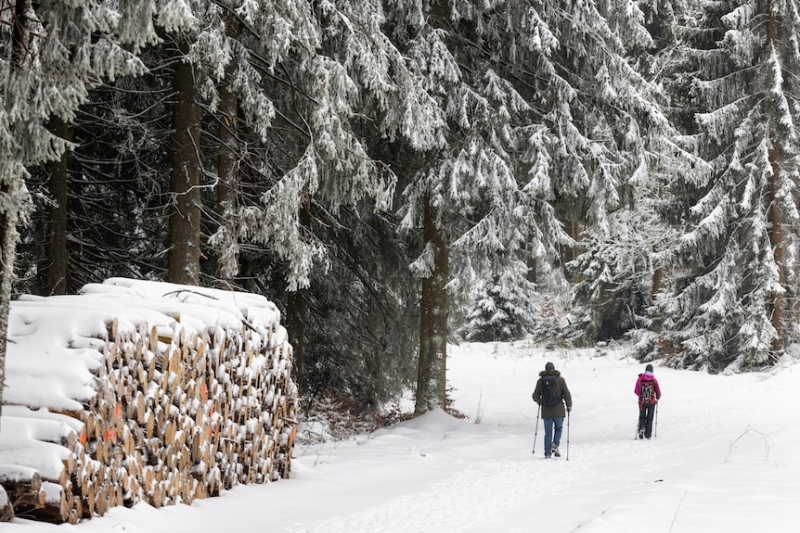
(554, 451)
(641, 433)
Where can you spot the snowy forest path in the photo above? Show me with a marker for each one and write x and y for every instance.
(480, 493)
(501, 481)
(705, 444)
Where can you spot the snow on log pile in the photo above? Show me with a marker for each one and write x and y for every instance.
(141, 391)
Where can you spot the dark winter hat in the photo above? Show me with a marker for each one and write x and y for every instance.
(649, 368)
(549, 366)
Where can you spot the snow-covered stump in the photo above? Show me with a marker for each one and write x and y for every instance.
(188, 393)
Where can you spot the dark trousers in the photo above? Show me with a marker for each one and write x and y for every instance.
(646, 413)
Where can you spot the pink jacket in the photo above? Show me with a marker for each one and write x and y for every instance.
(647, 376)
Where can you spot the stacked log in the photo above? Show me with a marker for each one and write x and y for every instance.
(6, 509)
(179, 413)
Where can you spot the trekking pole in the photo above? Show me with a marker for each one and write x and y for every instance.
(536, 431)
(655, 417)
(567, 435)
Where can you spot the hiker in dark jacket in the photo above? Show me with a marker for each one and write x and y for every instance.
(552, 415)
(649, 393)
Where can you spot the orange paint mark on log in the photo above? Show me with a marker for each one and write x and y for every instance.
(204, 392)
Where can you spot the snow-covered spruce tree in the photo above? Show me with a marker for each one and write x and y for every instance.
(328, 81)
(363, 318)
(501, 310)
(119, 191)
(462, 194)
(210, 67)
(118, 187)
(336, 91)
(549, 127)
(81, 44)
(259, 136)
(613, 285)
(196, 41)
(604, 141)
(50, 53)
(114, 192)
(734, 269)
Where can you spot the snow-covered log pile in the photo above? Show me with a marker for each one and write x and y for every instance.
(142, 391)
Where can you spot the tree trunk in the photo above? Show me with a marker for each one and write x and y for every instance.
(432, 365)
(10, 183)
(57, 259)
(8, 243)
(184, 219)
(532, 263)
(658, 278)
(226, 159)
(19, 46)
(570, 253)
(227, 169)
(776, 241)
(296, 315)
(776, 220)
(432, 371)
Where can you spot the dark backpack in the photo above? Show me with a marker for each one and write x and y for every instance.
(551, 396)
(647, 396)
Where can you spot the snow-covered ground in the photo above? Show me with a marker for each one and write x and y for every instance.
(725, 458)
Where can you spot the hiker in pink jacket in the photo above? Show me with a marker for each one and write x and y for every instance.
(649, 393)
